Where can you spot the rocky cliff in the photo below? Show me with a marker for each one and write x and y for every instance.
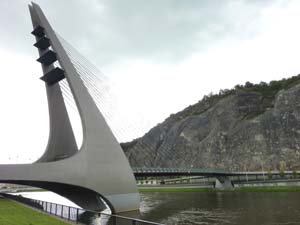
(250, 127)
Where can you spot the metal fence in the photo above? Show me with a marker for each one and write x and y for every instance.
(77, 215)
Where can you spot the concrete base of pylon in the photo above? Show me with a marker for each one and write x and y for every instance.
(223, 183)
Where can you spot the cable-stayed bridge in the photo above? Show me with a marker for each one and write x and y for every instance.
(88, 173)
(169, 172)
(93, 169)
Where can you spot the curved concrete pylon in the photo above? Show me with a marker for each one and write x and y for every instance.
(98, 169)
(61, 142)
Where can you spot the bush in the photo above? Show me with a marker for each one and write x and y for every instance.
(281, 173)
(295, 174)
(270, 174)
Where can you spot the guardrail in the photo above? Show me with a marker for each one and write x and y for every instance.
(77, 215)
(266, 177)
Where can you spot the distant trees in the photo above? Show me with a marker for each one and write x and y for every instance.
(238, 86)
(295, 174)
(281, 173)
(270, 175)
(249, 85)
(263, 84)
(223, 92)
(267, 90)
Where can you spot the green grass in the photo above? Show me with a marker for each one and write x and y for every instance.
(243, 189)
(176, 189)
(270, 189)
(13, 213)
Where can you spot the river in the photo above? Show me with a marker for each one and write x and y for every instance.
(220, 208)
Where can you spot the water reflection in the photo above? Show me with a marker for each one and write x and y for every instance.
(222, 208)
(93, 219)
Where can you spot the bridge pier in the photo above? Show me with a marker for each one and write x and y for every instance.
(223, 182)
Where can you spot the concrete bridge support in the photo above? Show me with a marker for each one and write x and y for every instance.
(223, 182)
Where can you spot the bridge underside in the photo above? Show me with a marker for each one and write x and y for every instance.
(85, 198)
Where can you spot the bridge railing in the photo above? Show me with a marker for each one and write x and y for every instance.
(158, 170)
(77, 215)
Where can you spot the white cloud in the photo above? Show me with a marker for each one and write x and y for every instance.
(160, 57)
(157, 90)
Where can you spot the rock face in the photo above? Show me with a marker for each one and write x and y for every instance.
(241, 130)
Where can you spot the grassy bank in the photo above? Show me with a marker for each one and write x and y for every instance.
(175, 189)
(242, 189)
(13, 213)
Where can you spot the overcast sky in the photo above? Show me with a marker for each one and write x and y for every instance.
(161, 55)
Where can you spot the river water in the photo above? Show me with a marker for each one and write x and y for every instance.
(220, 208)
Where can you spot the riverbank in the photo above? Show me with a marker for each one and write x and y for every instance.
(14, 213)
(240, 189)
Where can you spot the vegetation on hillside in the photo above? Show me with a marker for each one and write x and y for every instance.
(268, 92)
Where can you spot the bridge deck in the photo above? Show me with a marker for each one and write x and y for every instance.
(156, 172)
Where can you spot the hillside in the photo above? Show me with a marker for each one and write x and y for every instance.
(250, 127)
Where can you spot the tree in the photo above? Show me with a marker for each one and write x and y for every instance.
(295, 174)
(263, 84)
(238, 86)
(281, 173)
(270, 174)
(282, 166)
(249, 84)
